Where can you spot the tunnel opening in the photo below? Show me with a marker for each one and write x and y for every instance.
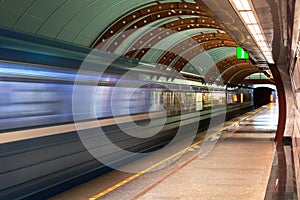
(264, 95)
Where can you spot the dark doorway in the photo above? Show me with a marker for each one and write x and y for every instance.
(263, 96)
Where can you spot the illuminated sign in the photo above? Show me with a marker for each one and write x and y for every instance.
(241, 54)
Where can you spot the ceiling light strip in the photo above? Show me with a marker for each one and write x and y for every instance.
(247, 13)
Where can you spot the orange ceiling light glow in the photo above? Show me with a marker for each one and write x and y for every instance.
(247, 14)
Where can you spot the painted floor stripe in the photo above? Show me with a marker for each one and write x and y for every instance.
(116, 186)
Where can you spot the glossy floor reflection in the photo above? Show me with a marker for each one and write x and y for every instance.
(238, 167)
(245, 163)
(282, 182)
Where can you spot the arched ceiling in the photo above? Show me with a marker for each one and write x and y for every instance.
(74, 21)
(179, 35)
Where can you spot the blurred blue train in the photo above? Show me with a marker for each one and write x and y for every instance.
(42, 155)
(34, 95)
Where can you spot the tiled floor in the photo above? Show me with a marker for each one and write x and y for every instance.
(237, 167)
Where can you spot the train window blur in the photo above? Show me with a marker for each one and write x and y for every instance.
(45, 97)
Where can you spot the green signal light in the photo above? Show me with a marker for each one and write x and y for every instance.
(241, 54)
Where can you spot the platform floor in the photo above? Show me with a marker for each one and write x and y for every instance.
(237, 167)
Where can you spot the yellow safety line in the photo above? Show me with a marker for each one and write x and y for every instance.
(97, 196)
(141, 172)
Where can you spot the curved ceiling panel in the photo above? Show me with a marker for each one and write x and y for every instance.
(240, 75)
(229, 73)
(154, 54)
(132, 36)
(165, 45)
(205, 61)
(257, 76)
(226, 64)
(153, 46)
(179, 35)
(75, 21)
(148, 14)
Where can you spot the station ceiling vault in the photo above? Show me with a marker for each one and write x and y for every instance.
(176, 35)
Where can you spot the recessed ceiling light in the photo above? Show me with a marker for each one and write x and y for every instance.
(248, 16)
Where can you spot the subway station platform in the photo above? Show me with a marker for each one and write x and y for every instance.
(89, 87)
(243, 164)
